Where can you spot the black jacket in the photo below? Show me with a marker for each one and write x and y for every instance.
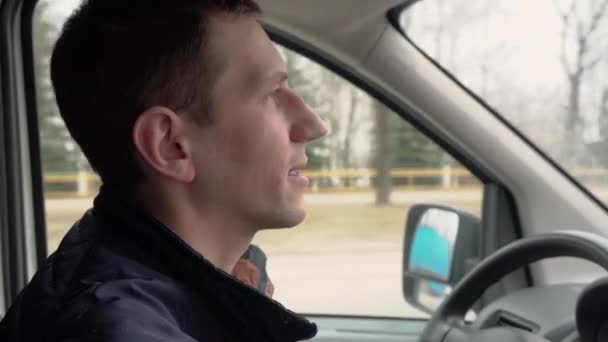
(119, 275)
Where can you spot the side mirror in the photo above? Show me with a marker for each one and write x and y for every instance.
(440, 246)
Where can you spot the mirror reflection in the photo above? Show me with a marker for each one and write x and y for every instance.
(432, 247)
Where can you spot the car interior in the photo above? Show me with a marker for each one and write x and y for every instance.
(525, 262)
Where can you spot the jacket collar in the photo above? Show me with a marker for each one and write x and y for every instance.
(250, 311)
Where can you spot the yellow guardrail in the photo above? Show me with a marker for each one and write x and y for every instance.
(312, 174)
(87, 183)
(70, 177)
(343, 173)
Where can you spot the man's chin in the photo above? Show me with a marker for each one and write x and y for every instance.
(287, 219)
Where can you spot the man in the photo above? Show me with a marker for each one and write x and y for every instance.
(183, 108)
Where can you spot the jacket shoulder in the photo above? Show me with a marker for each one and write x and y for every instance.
(125, 310)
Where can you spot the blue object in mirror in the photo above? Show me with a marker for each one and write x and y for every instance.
(431, 252)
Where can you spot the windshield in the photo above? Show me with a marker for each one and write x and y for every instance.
(540, 64)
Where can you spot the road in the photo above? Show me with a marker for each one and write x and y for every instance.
(364, 284)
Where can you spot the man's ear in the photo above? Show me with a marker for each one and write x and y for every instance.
(159, 135)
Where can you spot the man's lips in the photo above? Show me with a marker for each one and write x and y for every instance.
(297, 169)
(295, 174)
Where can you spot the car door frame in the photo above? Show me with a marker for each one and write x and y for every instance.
(22, 223)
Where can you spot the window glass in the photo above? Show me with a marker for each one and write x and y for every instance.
(69, 184)
(346, 257)
(541, 64)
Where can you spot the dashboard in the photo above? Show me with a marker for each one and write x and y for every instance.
(548, 311)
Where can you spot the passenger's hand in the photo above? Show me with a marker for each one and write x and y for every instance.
(247, 272)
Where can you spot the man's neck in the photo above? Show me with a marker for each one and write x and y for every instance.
(219, 240)
(217, 235)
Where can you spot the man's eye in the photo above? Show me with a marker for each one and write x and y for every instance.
(275, 92)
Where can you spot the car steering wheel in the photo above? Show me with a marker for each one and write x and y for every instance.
(448, 323)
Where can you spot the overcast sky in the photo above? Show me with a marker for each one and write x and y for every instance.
(529, 31)
(58, 10)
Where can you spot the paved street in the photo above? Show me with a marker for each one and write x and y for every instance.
(367, 284)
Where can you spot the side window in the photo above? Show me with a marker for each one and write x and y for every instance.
(69, 184)
(346, 257)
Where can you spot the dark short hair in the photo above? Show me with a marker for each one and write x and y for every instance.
(116, 58)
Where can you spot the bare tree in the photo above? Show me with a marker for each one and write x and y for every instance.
(350, 131)
(603, 118)
(600, 147)
(578, 56)
(604, 103)
(383, 154)
(332, 85)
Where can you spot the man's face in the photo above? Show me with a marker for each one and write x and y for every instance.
(249, 159)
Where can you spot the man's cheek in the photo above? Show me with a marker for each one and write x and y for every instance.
(238, 144)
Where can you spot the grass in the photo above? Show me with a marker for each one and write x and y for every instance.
(327, 227)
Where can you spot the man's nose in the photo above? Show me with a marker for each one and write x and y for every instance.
(308, 126)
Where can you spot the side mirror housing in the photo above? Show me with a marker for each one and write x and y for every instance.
(441, 245)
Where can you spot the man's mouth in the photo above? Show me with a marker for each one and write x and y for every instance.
(295, 174)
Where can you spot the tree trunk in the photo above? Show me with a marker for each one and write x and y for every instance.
(346, 147)
(383, 156)
(603, 118)
(604, 103)
(574, 121)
